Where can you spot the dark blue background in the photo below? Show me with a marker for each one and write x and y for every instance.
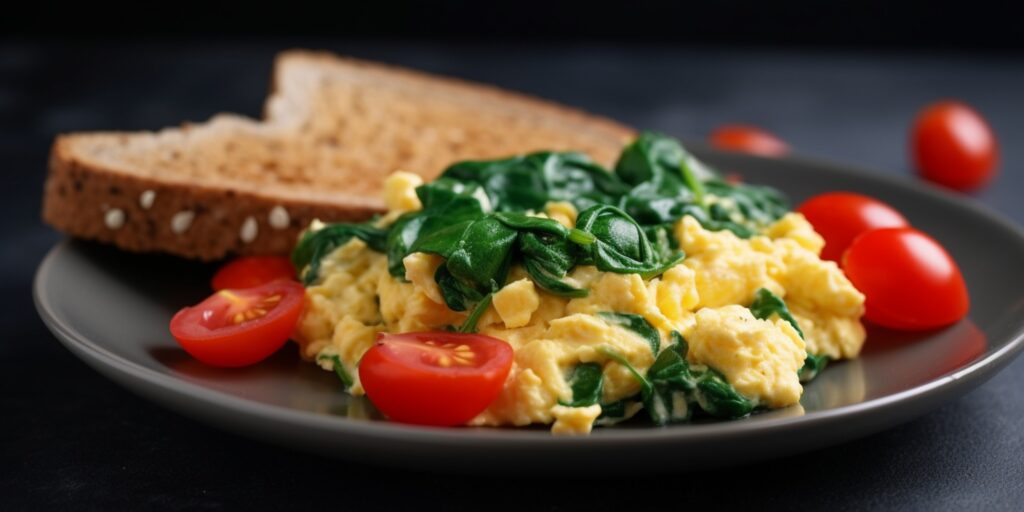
(71, 439)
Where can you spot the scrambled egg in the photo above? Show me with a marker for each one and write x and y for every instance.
(704, 298)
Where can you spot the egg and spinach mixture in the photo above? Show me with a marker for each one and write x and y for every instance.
(656, 286)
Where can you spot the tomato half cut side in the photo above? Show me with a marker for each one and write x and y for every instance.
(249, 271)
(909, 280)
(839, 217)
(434, 378)
(235, 327)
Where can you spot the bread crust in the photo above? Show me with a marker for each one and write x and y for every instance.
(143, 213)
(78, 197)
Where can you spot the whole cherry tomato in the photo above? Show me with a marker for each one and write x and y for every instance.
(249, 271)
(952, 145)
(748, 139)
(910, 282)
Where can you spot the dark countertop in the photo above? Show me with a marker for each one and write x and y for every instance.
(69, 438)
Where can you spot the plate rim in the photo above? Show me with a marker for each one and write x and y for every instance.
(956, 381)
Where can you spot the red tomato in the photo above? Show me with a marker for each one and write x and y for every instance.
(239, 327)
(749, 139)
(434, 378)
(252, 271)
(909, 280)
(840, 216)
(954, 146)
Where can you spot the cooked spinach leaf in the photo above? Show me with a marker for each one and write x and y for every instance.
(401, 236)
(687, 167)
(456, 294)
(813, 365)
(718, 398)
(620, 245)
(477, 256)
(671, 368)
(645, 385)
(672, 382)
(664, 244)
(658, 194)
(767, 304)
(668, 183)
(529, 182)
(615, 412)
(637, 324)
(672, 388)
(545, 250)
(523, 222)
(445, 202)
(548, 259)
(717, 218)
(316, 245)
(587, 383)
(679, 344)
(755, 205)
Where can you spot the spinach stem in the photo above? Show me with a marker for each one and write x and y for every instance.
(619, 358)
(469, 326)
(580, 237)
(339, 370)
(692, 182)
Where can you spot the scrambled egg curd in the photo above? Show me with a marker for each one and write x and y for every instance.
(705, 298)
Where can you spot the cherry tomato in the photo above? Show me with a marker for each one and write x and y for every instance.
(250, 271)
(239, 327)
(749, 139)
(840, 216)
(434, 378)
(954, 146)
(910, 281)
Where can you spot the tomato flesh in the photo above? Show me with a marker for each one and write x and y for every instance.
(954, 146)
(749, 139)
(910, 282)
(249, 271)
(234, 328)
(840, 216)
(434, 378)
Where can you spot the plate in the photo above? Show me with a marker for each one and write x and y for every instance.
(112, 308)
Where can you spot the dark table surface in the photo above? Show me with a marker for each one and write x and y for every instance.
(69, 438)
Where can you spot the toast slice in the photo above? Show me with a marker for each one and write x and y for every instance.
(333, 129)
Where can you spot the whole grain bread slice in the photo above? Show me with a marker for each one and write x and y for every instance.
(333, 129)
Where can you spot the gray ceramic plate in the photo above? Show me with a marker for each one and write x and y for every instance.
(112, 310)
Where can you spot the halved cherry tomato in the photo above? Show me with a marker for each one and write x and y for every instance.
(250, 271)
(434, 378)
(909, 280)
(840, 216)
(954, 146)
(749, 139)
(240, 327)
